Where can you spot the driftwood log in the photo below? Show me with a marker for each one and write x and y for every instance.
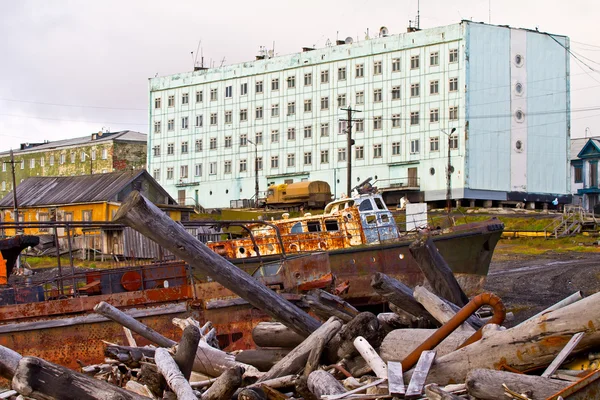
(225, 385)
(130, 356)
(322, 383)
(168, 368)
(296, 359)
(530, 345)
(371, 357)
(434, 392)
(143, 216)
(208, 360)
(9, 361)
(263, 358)
(186, 350)
(400, 343)
(389, 321)
(275, 334)
(255, 393)
(487, 384)
(401, 296)
(40, 379)
(437, 272)
(341, 345)
(439, 308)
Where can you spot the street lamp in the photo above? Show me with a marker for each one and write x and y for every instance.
(449, 172)
(255, 172)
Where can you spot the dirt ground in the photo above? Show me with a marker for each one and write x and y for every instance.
(528, 284)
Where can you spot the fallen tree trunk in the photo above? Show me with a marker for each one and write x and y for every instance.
(437, 272)
(143, 216)
(208, 360)
(296, 359)
(487, 384)
(530, 345)
(175, 379)
(323, 310)
(39, 379)
(322, 383)
(275, 334)
(401, 296)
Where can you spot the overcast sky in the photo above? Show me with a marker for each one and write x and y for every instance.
(70, 68)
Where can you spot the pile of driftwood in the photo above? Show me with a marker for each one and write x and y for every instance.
(428, 346)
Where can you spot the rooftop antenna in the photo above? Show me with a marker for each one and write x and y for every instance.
(418, 14)
(197, 48)
(222, 61)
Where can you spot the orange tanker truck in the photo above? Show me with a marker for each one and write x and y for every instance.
(307, 194)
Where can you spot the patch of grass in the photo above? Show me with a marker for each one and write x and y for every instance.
(50, 262)
(540, 246)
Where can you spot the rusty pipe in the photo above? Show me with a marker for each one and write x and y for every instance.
(450, 326)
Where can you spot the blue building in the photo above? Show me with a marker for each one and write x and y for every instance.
(489, 103)
(584, 172)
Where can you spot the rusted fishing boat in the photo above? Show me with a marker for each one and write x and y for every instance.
(342, 248)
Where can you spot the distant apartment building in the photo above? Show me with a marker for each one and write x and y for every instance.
(98, 153)
(488, 103)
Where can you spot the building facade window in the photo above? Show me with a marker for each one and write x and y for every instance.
(308, 132)
(171, 124)
(213, 143)
(341, 100)
(434, 144)
(275, 84)
(342, 126)
(395, 148)
(155, 153)
(291, 160)
(414, 62)
(453, 55)
(434, 59)
(157, 126)
(170, 149)
(414, 146)
(156, 174)
(395, 120)
(170, 173)
(377, 98)
(377, 68)
(308, 105)
(307, 158)
(243, 139)
(291, 108)
(243, 89)
(325, 76)
(377, 151)
(396, 93)
(259, 164)
(291, 133)
(213, 95)
(377, 123)
(244, 115)
(342, 74)
(228, 117)
(213, 118)
(183, 171)
(453, 113)
(199, 121)
(258, 86)
(157, 102)
(415, 90)
(324, 129)
(212, 168)
(184, 122)
(360, 97)
(324, 156)
(359, 152)
(275, 110)
(198, 145)
(360, 126)
(185, 99)
(259, 112)
(396, 65)
(360, 70)
(228, 142)
(274, 162)
(243, 165)
(324, 103)
(258, 138)
(171, 101)
(274, 136)
(414, 118)
(341, 154)
(227, 167)
(453, 85)
(198, 170)
(199, 96)
(434, 87)
(454, 142)
(291, 82)
(184, 147)
(308, 79)
(434, 115)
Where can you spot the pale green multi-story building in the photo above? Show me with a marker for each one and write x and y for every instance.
(492, 102)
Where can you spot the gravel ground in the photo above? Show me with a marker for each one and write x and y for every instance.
(527, 285)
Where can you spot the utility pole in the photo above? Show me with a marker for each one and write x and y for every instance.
(14, 181)
(349, 144)
(449, 173)
(255, 173)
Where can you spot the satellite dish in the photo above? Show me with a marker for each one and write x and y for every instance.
(348, 40)
(383, 31)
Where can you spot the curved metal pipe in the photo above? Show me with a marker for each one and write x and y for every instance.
(450, 326)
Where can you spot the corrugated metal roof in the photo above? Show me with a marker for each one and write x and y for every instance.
(85, 140)
(55, 190)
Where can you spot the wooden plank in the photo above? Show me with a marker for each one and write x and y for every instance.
(564, 353)
(357, 390)
(129, 336)
(395, 378)
(417, 381)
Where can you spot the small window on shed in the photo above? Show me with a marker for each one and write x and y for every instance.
(313, 226)
(297, 228)
(365, 206)
(379, 203)
(331, 225)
